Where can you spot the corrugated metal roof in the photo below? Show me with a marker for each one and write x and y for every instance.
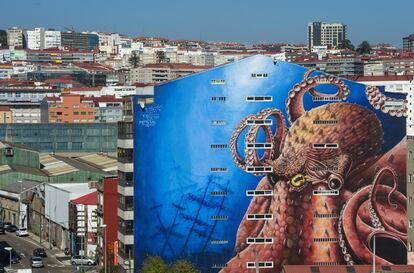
(54, 166)
(103, 162)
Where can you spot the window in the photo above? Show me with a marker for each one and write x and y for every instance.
(76, 113)
(326, 215)
(218, 82)
(324, 145)
(218, 122)
(218, 193)
(410, 155)
(219, 242)
(259, 240)
(325, 122)
(259, 216)
(125, 178)
(219, 218)
(125, 155)
(83, 113)
(325, 192)
(410, 178)
(259, 98)
(323, 240)
(259, 145)
(326, 98)
(259, 75)
(218, 99)
(259, 169)
(218, 170)
(259, 264)
(259, 122)
(218, 146)
(259, 193)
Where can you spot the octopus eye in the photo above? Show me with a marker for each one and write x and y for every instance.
(298, 180)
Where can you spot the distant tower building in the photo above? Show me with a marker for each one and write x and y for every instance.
(408, 43)
(326, 34)
(15, 37)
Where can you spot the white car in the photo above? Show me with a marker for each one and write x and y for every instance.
(22, 232)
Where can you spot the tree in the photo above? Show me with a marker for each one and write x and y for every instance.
(160, 56)
(3, 38)
(183, 266)
(134, 60)
(154, 264)
(364, 48)
(347, 44)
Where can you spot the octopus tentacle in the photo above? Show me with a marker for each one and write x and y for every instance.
(240, 162)
(258, 205)
(377, 99)
(349, 230)
(294, 102)
(378, 221)
(251, 156)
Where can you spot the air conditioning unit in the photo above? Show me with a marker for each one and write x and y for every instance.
(93, 184)
(8, 151)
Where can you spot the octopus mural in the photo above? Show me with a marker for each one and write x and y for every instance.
(328, 188)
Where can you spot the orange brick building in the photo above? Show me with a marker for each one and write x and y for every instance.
(68, 108)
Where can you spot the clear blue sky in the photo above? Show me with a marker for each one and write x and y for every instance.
(248, 21)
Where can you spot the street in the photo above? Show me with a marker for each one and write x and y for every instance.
(24, 246)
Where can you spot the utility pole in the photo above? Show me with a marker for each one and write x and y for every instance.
(373, 256)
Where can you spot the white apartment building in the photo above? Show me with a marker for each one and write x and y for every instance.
(35, 38)
(15, 37)
(52, 39)
(39, 38)
(326, 34)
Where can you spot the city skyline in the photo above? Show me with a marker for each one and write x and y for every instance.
(376, 22)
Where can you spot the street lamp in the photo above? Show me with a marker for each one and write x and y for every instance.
(9, 249)
(104, 227)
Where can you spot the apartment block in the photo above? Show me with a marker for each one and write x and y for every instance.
(326, 34)
(15, 37)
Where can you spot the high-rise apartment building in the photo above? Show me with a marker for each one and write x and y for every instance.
(15, 37)
(126, 182)
(408, 43)
(326, 34)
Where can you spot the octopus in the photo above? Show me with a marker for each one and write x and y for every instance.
(326, 190)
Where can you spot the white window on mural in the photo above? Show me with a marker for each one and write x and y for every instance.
(259, 98)
(394, 105)
(325, 145)
(259, 75)
(254, 217)
(264, 145)
(259, 122)
(259, 193)
(259, 240)
(218, 82)
(259, 265)
(325, 192)
(259, 169)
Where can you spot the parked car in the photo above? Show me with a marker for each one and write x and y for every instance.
(6, 224)
(36, 262)
(82, 260)
(2, 231)
(11, 228)
(40, 252)
(22, 232)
